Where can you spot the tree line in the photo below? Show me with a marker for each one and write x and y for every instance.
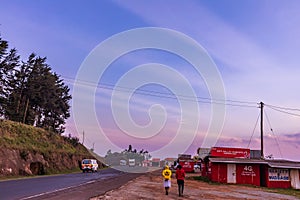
(30, 92)
(113, 158)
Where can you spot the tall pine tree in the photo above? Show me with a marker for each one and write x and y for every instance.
(9, 61)
(30, 92)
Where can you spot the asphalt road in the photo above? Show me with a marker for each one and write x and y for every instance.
(67, 186)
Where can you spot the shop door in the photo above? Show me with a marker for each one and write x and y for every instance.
(231, 173)
(295, 182)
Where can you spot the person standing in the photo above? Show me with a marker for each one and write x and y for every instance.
(167, 173)
(180, 175)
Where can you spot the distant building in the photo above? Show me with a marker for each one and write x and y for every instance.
(203, 152)
(184, 156)
(170, 161)
(146, 163)
(155, 162)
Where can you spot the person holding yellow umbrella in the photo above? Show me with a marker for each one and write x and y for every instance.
(167, 173)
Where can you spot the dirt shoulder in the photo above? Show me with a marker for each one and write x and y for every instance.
(150, 186)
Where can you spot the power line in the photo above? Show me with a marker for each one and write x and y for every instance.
(289, 113)
(253, 130)
(273, 133)
(283, 108)
(166, 95)
(237, 103)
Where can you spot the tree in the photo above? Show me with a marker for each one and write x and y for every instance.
(129, 148)
(17, 97)
(39, 97)
(108, 152)
(30, 92)
(9, 60)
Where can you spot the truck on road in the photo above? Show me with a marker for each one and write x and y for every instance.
(131, 162)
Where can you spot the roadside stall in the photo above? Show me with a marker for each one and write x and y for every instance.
(234, 165)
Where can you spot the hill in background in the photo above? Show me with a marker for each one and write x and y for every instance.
(27, 150)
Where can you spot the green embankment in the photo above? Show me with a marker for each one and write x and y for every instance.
(24, 137)
(27, 150)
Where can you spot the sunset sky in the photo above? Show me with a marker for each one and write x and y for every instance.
(132, 67)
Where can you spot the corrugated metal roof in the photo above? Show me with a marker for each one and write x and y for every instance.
(284, 164)
(272, 163)
(170, 159)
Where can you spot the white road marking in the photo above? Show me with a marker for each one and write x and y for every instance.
(66, 188)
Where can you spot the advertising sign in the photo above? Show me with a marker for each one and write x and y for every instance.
(227, 152)
(278, 174)
(248, 174)
(248, 171)
(187, 166)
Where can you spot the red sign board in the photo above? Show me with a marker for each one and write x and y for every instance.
(227, 152)
(187, 166)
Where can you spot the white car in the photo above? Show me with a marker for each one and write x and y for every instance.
(197, 168)
(89, 165)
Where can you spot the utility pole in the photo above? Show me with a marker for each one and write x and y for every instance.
(261, 130)
(82, 137)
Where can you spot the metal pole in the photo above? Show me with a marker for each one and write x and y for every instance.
(261, 130)
(82, 137)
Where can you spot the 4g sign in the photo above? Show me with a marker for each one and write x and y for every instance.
(248, 171)
(248, 168)
(248, 174)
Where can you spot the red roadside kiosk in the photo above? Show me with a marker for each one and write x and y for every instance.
(234, 165)
(187, 163)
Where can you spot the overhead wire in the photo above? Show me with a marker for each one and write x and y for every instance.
(228, 102)
(283, 108)
(273, 133)
(158, 94)
(282, 111)
(168, 95)
(253, 130)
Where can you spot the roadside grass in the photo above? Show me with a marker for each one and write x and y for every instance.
(287, 191)
(203, 179)
(20, 136)
(65, 171)
(28, 140)
(52, 173)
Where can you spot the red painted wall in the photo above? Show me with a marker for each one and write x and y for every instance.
(206, 169)
(219, 172)
(248, 174)
(278, 184)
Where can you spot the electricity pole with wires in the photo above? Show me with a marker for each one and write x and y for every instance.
(261, 130)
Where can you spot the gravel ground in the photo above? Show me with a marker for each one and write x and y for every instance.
(149, 186)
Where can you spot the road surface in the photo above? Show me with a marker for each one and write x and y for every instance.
(67, 186)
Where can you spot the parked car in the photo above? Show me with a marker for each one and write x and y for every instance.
(197, 168)
(89, 165)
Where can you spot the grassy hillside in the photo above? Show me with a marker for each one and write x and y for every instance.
(27, 150)
(24, 137)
